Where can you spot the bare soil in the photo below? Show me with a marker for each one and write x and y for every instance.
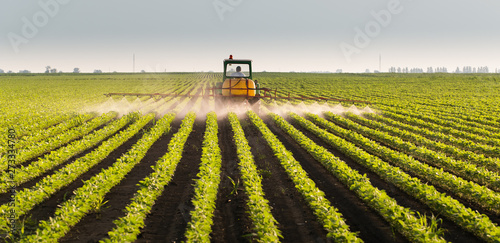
(452, 232)
(171, 213)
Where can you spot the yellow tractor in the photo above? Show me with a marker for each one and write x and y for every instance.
(237, 86)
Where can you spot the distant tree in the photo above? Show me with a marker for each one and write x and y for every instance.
(76, 70)
(97, 71)
(1, 71)
(10, 71)
(416, 70)
(467, 69)
(47, 69)
(441, 70)
(24, 71)
(142, 71)
(339, 70)
(53, 70)
(485, 69)
(458, 70)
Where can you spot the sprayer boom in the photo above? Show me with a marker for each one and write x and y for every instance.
(216, 92)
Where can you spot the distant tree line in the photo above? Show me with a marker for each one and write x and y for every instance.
(49, 69)
(469, 69)
(466, 69)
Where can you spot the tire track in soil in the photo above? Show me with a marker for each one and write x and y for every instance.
(371, 227)
(231, 222)
(453, 232)
(296, 220)
(47, 208)
(170, 214)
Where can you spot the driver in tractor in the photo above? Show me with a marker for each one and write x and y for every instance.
(238, 72)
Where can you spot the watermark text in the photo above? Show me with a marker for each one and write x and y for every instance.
(372, 29)
(31, 26)
(224, 6)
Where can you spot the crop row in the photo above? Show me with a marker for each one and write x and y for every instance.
(56, 157)
(49, 144)
(263, 221)
(207, 184)
(470, 117)
(91, 195)
(51, 131)
(128, 227)
(34, 123)
(392, 125)
(476, 118)
(401, 218)
(447, 119)
(478, 224)
(485, 197)
(461, 168)
(332, 221)
(464, 140)
(476, 135)
(28, 198)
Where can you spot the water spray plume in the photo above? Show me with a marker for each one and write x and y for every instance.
(162, 107)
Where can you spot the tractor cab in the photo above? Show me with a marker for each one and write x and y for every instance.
(237, 79)
(237, 68)
(237, 88)
(237, 85)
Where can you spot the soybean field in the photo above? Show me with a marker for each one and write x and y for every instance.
(420, 162)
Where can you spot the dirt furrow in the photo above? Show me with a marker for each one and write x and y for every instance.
(452, 232)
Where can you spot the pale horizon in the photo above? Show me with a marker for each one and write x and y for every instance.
(279, 36)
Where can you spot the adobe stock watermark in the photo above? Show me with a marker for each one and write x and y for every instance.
(31, 26)
(223, 6)
(372, 29)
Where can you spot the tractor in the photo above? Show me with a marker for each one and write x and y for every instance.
(237, 86)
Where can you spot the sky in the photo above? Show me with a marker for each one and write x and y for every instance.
(279, 35)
